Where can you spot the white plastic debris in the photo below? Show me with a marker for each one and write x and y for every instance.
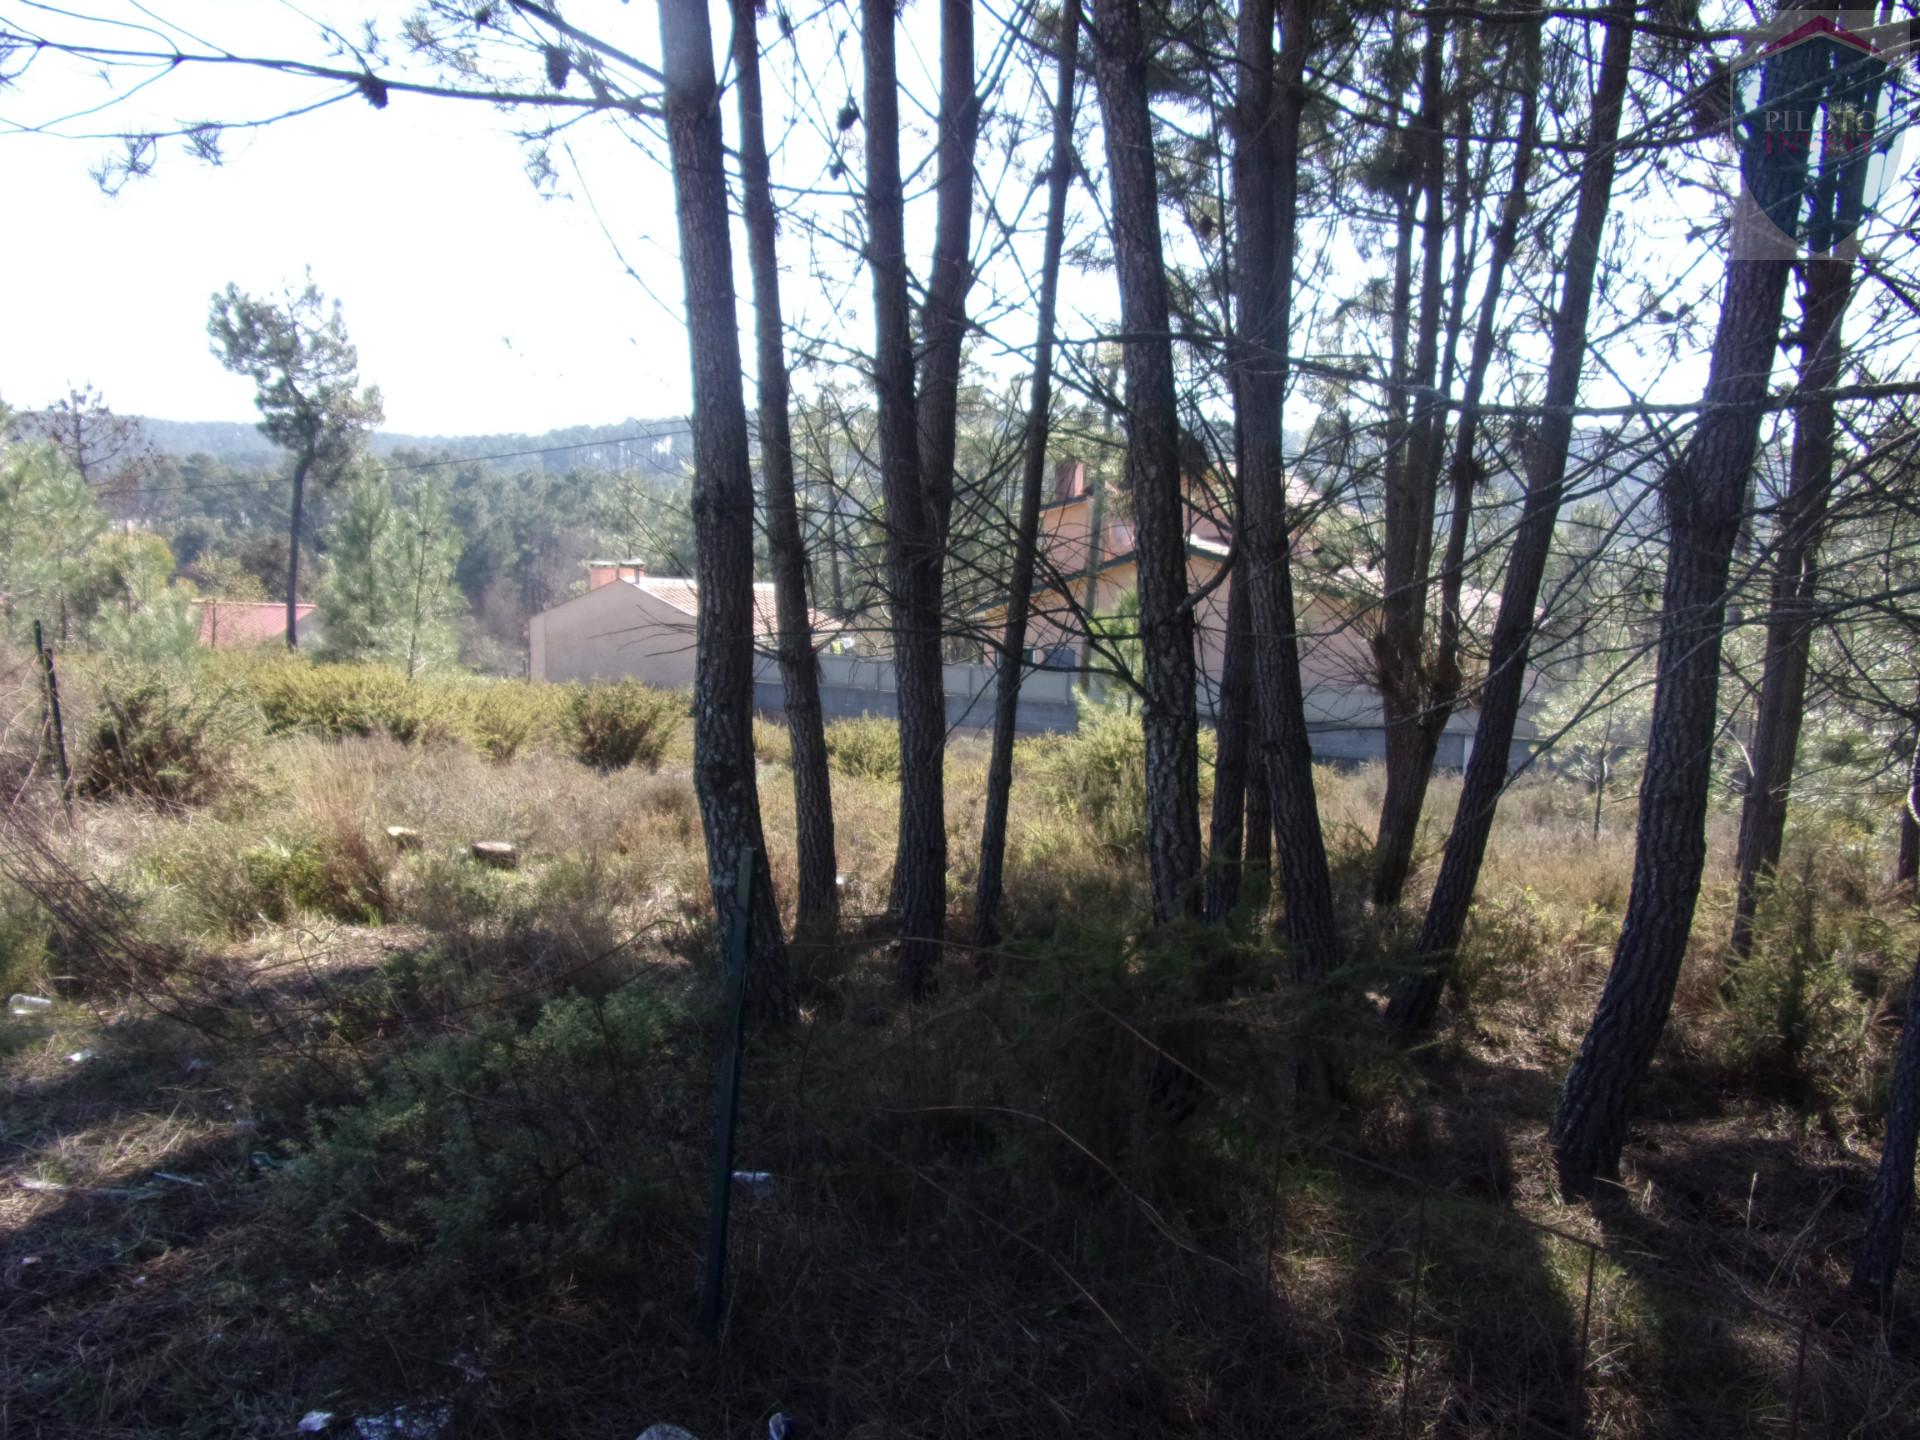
(80, 1057)
(779, 1427)
(666, 1432)
(179, 1179)
(27, 1004)
(757, 1181)
(29, 1259)
(408, 1422)
(315, 1421)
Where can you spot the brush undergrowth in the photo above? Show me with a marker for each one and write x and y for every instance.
(1087, 1191)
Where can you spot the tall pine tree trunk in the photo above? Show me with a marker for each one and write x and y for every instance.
(1399, 647)
(943, 328)
(1153, 465)
(300, 469)
(1703, 495)
(943, 318)
(1234, 746)
(1463, 471)
(1783, 681)
(1906, 864)
(1417, 1000)
(912, 537)
(1006, 699)
(817, 901)
(723, 767)
(1265, 179)
(1878, 1263)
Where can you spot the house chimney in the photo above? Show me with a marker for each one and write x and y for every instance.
(605, 572)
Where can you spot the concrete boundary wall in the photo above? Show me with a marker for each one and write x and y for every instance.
(1340, 727)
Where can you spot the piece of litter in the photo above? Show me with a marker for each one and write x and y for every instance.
(666, 1432)
(179, 1179)
(314, 1421)
(27, 1004)
(779, 1427)
(197, 1064)
(263, 1161)
(409, 1422)
(80, 1057)
(29, 1259)
(139, 1280)
(753, 1179)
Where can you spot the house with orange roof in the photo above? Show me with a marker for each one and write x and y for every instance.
(245, 624)
(1083, 580)
(628, 624)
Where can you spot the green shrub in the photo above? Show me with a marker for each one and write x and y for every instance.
(1799, 1021)
(612, 726)
(507, 1147)
(506, 716)
(159, 737)
(1097, 776)
(1508, 939)
(225, 879)
(336, 700)
(867, 748)
(23, 940)
(772, 744)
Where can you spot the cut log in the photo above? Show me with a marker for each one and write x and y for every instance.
(497, 853)
(403, 838)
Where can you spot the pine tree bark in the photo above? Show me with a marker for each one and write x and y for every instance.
(1906, 864)
(943, 318)
(300, 468)
(1703, 494)
(1234, 745)
(1265, 178)
(943, 328)
(1153, 465)
(817, 903)
(1399, 646)
(723, 767)
(1026, 545)
(1790, 623)
(912, 539)
(1417, 1000)
(1878, 1263)
(1444, 695)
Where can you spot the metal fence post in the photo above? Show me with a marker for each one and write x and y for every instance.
(54, 725)
(727, 1099)
(1413, 1315)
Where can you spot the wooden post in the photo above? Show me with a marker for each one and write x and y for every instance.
(727, 1100)
(55, 729)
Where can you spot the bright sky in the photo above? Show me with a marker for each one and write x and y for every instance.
(477, 305)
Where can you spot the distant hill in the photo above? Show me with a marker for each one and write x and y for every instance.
(662, 444)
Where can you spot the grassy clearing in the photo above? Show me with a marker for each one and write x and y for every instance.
(397, 1129)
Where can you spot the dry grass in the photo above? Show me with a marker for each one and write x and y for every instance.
(1014, 1212)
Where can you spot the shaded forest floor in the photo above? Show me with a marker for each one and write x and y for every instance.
(381, 1133)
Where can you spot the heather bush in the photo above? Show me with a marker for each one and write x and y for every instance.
(867, 747)
(164, 735)
(614, 725)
